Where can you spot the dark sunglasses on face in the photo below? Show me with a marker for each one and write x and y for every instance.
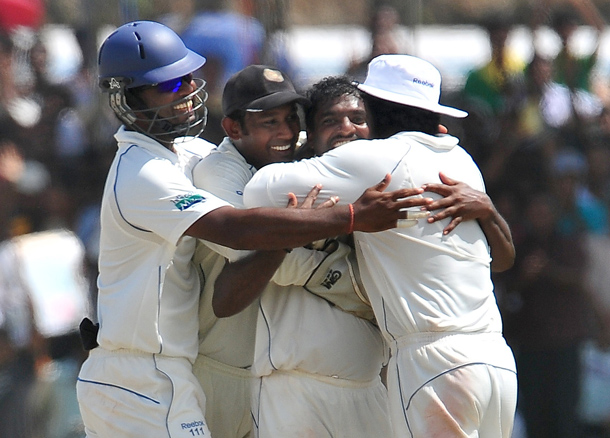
(173, 85)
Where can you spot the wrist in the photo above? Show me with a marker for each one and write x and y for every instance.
(350, 228)
(487, 215)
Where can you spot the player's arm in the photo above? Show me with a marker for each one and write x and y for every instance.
(242, 281)
(279, 228)
(461, 202)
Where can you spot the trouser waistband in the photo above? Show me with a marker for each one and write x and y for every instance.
(335, 381)
(433, 337)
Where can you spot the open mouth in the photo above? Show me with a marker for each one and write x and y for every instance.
(336, 144)
(184, 107)
(281, 148)
(184, 111)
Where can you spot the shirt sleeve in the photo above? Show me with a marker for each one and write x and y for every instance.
(159, 198)
(345, 172)
(221, 175)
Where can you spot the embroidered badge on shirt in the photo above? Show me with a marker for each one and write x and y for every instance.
(183, 202)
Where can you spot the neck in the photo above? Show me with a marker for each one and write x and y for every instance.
(168, 144)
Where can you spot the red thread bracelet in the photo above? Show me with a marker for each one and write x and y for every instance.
(351, 219)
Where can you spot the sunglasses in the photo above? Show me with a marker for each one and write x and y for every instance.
(173, 85)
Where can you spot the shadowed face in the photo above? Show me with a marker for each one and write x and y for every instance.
(164, 94)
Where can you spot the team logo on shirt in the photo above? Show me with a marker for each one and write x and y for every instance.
(183, 202)
(195, 428)
(332, 277)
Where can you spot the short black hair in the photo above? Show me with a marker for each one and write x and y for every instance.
(238, 115)
(326, 90)
(389, 118)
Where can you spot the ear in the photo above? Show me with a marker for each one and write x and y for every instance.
(231, 127)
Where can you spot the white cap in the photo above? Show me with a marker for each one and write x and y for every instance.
(407, 80)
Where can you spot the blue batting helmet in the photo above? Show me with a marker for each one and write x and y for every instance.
(143, 53)
(147, 53)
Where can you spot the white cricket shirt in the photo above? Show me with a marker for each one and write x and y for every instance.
(148, 287)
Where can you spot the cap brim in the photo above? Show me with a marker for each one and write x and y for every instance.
(190, 63)
(276, 99)
(411, 101)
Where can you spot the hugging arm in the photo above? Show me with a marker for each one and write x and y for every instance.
(242, 281)
(461, 202)
(279, 228)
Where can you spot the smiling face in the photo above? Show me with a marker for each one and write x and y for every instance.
(266, 137)
(339, 121)
(169, 103)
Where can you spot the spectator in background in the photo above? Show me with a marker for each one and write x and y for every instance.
(15, 112)
(17, 374)
(497, 84)
(385, 39)
(571, 69)
(545, 105)
(598, 157)
(60, 123)
(24, 184)
(575, 71)
(598, 174)
(542, 116)
(11, 170)
(39, 158)
(580, 210)
(15, 391)
(39, 315)
(491, 95)
(36, 122)
(552, 300)
(546, 318)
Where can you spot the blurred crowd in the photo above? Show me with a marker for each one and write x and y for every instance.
(538, 128)
(539, 131)
(52, 168)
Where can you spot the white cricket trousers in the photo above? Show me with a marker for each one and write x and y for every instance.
(452, 385)
(293, 404)
(227, 391)
(132, 394)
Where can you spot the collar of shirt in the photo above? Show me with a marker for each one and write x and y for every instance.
(126, 138)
